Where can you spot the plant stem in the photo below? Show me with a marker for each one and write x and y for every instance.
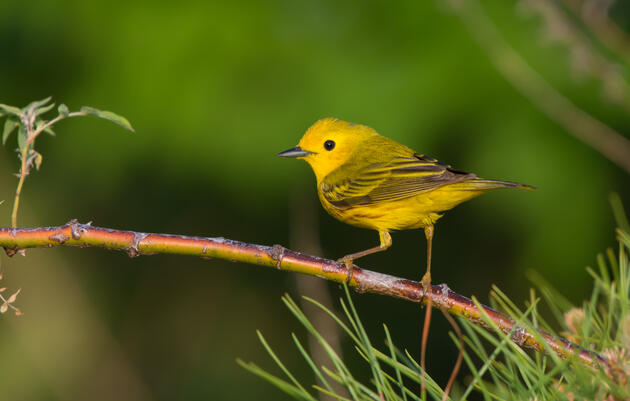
(18, 191)
(50, 123)
(440, 296)
(31, 136)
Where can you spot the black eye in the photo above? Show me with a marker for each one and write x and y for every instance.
(329, 145)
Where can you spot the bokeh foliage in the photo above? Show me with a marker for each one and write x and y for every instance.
(214, 90)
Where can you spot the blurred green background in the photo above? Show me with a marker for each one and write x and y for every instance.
(214, 90)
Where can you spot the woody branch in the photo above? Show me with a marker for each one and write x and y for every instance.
(137, 243)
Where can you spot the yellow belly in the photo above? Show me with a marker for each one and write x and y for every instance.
(409, 213)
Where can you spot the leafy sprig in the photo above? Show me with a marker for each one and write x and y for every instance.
(29, 122)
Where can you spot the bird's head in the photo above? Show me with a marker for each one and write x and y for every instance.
(328, 144)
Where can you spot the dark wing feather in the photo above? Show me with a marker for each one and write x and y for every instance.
(399, 178)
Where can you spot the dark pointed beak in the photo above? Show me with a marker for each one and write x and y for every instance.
(295, 152)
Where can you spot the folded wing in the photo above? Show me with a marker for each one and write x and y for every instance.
(399, 178)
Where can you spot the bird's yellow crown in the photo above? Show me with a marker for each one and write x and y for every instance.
(330, 142)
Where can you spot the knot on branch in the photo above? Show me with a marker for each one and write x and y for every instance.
(11, 251)
(277, 253)
(443, 292)
(77, 229)
(133, 250)
(59, 237)
(520, 335)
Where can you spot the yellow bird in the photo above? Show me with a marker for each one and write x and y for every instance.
(369, 181)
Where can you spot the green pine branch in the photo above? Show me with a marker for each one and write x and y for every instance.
(499, 369)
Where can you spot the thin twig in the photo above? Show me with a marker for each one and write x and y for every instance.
(52, 122)
(18, 190)
(595, 15)
(137, 243)
(561, 25)
(423, 347)
(612, 145)
(460, 355)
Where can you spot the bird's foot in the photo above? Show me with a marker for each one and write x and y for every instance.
(349, 267)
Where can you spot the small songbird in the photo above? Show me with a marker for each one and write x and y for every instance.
(369, 181)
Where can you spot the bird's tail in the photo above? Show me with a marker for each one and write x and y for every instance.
(482, 184)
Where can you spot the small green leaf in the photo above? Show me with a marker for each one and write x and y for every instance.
(38, 160)
(63, 110)
(11, 110)
(49, 131)
(37, 103)
(44, 109)
(22, 138)
(9, 126)
(108, 115)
